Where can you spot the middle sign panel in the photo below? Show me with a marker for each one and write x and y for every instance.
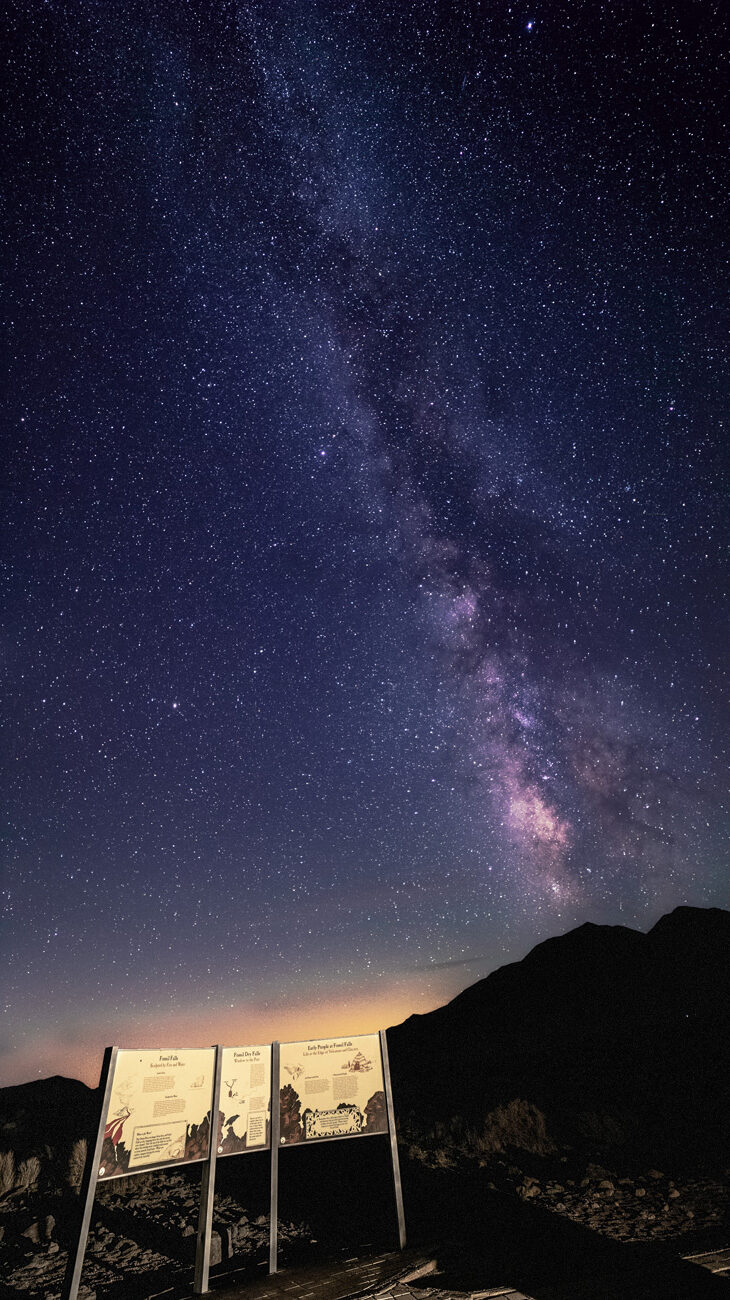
(244, 1103)
(331, 1088)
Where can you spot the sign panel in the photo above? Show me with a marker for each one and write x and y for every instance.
(331, 1088)
(159, 1110)
(244, 1102)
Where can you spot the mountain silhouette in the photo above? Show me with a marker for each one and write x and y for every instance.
(616, 1036)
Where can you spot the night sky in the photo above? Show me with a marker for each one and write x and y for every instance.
(364, 614)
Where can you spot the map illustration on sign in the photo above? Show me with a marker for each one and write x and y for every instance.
(244, 1101)
(159, 1110)
(331, 1088)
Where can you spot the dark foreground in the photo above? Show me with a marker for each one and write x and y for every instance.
(537, 1237)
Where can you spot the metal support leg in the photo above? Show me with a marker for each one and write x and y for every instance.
(75, 1264)
(275, 1143)
(207, 1187)
(393, 1142)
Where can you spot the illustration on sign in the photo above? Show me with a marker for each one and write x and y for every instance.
(159, 1112)
(244, 1102)
(334, 1089)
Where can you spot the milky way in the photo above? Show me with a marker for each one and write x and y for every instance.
(366, 617)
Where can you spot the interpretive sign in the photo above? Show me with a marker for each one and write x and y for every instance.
(156, 1110)
(244, 1102)
(331, 1088)
(159, 1110)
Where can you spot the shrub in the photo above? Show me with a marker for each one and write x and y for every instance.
(518, 1124)
(7, 1172)
(77, 1164)
(28, 1173)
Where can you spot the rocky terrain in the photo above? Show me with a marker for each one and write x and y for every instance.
(142, 1241)
(641, 1206)
(584, 1086)
(143, 1230)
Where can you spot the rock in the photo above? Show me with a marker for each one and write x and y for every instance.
(32, 1232)
(673, 1194)
(606, 1186)
(596, 1171)
(641, 1191)
(48, 1226)
(654, 1173)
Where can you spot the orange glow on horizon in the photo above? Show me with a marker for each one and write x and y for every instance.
(78, 1054)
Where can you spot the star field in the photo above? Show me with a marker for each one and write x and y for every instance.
(365, 613)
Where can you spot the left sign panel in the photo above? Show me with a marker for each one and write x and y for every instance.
(159, 1111)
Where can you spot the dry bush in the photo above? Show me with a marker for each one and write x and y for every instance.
(519, 1125)
(443, 1159)
(7, 1172)
(28, 1174)
(77, 1164)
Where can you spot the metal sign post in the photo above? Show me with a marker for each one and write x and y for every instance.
(75, 1264)
(207, 1187)
(275, 1143)
(393, 1142)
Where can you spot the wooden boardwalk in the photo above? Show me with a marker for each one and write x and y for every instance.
(717, 1261)
(412, 1275)
(383, 1277)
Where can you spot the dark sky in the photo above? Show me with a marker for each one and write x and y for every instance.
(363, 524)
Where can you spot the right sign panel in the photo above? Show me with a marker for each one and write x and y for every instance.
(331, 1088)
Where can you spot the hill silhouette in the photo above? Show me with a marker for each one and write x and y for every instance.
(46, 1116)
(618, 1037)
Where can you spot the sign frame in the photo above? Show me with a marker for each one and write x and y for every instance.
(90, 1180)
(276, 1145)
